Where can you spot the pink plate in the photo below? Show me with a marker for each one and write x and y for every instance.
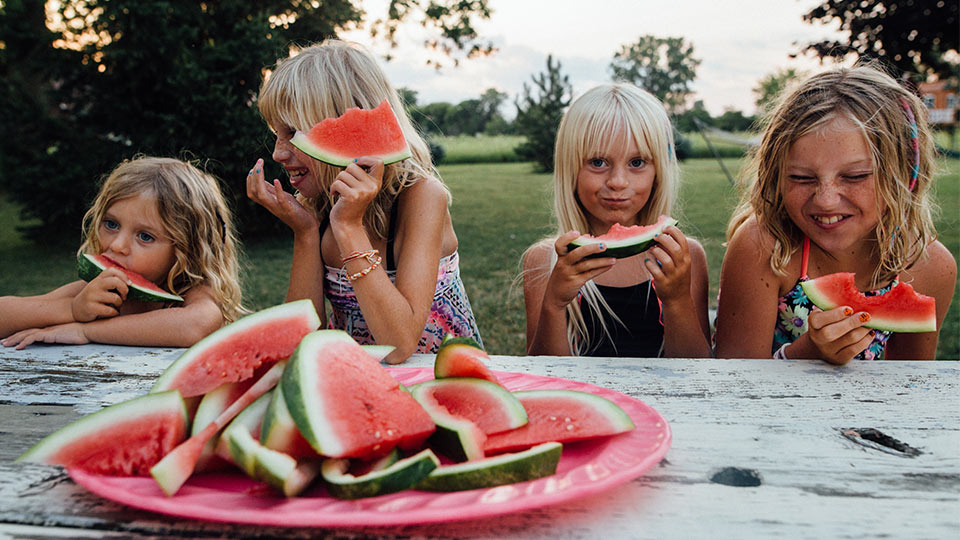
(585, 468)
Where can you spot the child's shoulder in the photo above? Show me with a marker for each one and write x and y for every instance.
(935, 270)
(425, 190)
(539, 255)
(751, 238)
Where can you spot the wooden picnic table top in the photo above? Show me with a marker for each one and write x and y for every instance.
(779, 424)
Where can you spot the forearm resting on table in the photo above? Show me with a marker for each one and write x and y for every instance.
(20, 313)
(171, 327)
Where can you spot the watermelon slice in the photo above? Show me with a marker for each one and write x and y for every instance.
(625, 241)
(536, 462)
(141, 289)
(234, 352)
(561, 416)
(356, 133)
(401, 474)
(124, 439)
(279, 432)
(211, 406)
(462, 357)
(901, 309)
(345, 403)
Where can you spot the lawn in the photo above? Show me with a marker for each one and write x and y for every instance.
(498, 210)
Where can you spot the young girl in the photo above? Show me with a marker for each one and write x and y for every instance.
(843, 178)
(615, 164)
(377, 241)
(165, 220)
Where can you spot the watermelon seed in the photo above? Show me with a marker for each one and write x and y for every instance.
(569, 427)
(389, 433)
(224, 374)
(553, 418)
(377, 434)
(567, 419)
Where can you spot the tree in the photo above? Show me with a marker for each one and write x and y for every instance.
(162, 78)
(685, 121)
(918, 36)
(733, 120)
(538, 116)
(772, 84)
(665, 67)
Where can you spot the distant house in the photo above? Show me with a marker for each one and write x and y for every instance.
(941, 100)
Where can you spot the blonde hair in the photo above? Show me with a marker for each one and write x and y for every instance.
(195, 218)
(586, 131)
(323, 81)
(873, 101)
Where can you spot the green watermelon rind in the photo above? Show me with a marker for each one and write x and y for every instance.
(303, 308)
(238, 435)
(301, 141)
(626, 247)
(88, 268)
(119, 413)
(449, 364)
(378, 351)
(283, 472)
(510, 405)
(350, 121)
(822, 300)
(402, 474)
(530, 464)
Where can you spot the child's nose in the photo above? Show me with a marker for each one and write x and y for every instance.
(120, 243)
(827, 194)
(617, 178)
(281, 150)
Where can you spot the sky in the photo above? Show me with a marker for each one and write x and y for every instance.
(738, 42)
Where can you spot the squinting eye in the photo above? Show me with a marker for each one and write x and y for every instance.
(110, 224)
(145, 237)
(801, 179)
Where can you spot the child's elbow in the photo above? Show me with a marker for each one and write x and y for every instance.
(200, 329)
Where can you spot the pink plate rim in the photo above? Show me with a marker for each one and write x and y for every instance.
(585, 468)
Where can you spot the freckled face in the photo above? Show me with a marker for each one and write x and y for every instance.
(132, 234)
(830, 187)
(615, 185)
(302, 178)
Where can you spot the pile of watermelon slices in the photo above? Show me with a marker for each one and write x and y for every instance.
(291, 406)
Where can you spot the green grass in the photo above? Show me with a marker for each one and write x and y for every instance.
(478, 149)
(498, 211)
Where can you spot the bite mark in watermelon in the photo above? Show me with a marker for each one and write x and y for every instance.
(124, 439)
(233, 353)
(561, 416)
(356, 133)
(625, 241)
(140, 289)
(345, 403)
(901, 309)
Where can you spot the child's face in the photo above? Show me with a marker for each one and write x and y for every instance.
(295, 163)
(614, 186)
(830, 188)
(132, 234)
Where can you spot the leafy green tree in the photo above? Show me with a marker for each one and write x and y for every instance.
(539, 115)
(684, 122)
(733, 120)
(917, 36)
(162, 78)
(770, 86)
(665, 67)
(432, 118)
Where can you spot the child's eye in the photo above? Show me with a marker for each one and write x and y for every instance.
(856, 177)
(145, 237)
(637, 162)
(597, 162)
(111, 224)
(801, 179)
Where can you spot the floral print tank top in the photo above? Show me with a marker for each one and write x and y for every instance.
(794, 307)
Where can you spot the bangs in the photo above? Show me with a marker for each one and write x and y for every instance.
(614, 130)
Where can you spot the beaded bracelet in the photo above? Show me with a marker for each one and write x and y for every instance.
(781, 353)
(372, 256)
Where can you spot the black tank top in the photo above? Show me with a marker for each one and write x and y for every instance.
(639, 309)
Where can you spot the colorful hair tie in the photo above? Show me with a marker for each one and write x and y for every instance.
(914, 139)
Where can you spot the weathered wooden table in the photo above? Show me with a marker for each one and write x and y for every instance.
(760, 448)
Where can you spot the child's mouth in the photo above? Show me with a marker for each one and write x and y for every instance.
(296, 175)
(829, 220)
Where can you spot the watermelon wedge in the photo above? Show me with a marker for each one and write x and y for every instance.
(401, 474)
(462, 357)
(356, 133)
(536, 462)
(279, 432)
(234, 352)
(124, 439)
(901, 309)
(562, 416)
(141, 289)
(211, 406)
(346, 404)
(625, 241)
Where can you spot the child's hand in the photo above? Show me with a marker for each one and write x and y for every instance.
(839, 333)
(573, 269)
(669, 264)
(280, 203)
(101, 297)
(69, 334)
(355, 188)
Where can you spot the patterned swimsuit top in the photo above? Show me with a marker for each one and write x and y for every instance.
(449, 313)
(794, 307)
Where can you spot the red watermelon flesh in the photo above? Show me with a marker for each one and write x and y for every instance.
(356, 133)
(463, 360)
(562, 416)
(236, 351)
(125, 439)
(623, 241)
(141, 289)
(489, 406)
(346, 404)
(901, 309)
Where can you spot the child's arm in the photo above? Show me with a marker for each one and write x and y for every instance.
(170, 327)
(935, 275)
(547, 291)
(749, 293)
(678, 266)
(21, 312)
(306, 271)
(396, 312)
